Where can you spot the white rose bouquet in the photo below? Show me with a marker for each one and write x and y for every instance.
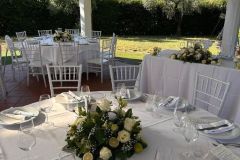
(60, 36)
(106, 134)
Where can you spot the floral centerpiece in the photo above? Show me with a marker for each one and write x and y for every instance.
(156, 50)
(60, 36)
(196, 54)
(106, 134)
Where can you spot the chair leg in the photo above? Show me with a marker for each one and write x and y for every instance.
(28, 76)
(13, 71)
(44, 79)
(87, 72)
(101, 75)
(5, 60)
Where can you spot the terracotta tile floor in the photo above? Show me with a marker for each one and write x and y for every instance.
(19, 94)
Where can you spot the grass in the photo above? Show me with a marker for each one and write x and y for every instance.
(138, 47)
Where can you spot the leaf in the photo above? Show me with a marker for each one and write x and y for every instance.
(99, 135)
(129, 113)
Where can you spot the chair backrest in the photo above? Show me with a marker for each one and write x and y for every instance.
(69, 53)
(32, 52)
(114, 45)
(44, 32)
(96, 34)
(21, 36)
(73, 31)
(9, 42)
(127, 74)
(209, 93)
(59, 75)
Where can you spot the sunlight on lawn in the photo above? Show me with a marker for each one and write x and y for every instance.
(138, 47)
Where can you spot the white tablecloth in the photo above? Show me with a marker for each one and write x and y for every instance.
(52, 53)
(163, 143)
(169, 77)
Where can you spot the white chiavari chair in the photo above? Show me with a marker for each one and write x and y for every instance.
(96, 61)
(21, 36)
(2, 84)
(44, 32)
(209, 93)
(127, 74)
(64, 77)
(37, 64)
(73, 31)
(68, 53)
(18, 61)
(96, 34)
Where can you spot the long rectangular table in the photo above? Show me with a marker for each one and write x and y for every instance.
(169, 77)
(163, 143)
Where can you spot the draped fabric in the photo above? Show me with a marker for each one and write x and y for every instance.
(231, 28)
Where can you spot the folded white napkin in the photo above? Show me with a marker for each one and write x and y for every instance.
(213, 124)
(220, 130)
(23, 113)
(11, 118)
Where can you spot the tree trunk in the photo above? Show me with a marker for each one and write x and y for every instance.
(179, 24)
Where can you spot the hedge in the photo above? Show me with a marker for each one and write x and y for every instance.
(108, 15)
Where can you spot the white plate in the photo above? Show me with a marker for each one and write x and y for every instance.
(226, 135)
(32, 110)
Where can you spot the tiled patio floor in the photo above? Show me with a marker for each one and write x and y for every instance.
(19, 94)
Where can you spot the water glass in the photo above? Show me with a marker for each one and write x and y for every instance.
(27, 126)
(179, 116)
(26, 141)
(121, 89)
(190, 134)
(47, 107)
(85, 90)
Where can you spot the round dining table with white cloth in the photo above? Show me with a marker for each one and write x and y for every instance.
(52, 53)
(163, 142)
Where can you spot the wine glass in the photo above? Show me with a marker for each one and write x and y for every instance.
(27, 126)
(190, 134)
(121, 89)
(47, 107)
(179, 116)
(26, 141)
(85, 90)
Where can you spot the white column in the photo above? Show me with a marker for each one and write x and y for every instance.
(231, 28)
(86, 17)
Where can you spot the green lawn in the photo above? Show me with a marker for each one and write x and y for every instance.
(137, 47)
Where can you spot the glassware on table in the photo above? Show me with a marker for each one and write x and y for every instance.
(47, 107)
(121, 90)
(26, 141)
(190, 134)
(64, 156)
(27, 126)
(179, 116)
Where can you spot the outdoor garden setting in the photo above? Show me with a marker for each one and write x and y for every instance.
(119, 79)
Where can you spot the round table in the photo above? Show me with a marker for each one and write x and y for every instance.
(163, 142)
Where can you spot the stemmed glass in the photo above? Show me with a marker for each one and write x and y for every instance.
(190, 134)
(121, 89)
(47, 107)
(26, 138)
(179, 116)
(85, 90)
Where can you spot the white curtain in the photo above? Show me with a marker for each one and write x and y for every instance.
(231, 28)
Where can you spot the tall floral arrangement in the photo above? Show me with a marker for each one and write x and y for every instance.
(105, 133)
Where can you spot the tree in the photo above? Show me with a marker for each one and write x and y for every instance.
(178, 8)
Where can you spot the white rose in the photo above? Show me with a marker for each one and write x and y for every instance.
(105, 153)
(112, 116)
(123, 136)
(104, 104)
(129, 123)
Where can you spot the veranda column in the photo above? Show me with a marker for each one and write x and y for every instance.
(86, 17)
(231, 28)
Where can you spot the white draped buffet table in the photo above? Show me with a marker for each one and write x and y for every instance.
(163, 143)
(169, 77)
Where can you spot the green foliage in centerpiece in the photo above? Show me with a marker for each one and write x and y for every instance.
(105, 133)
(156, 50)
(196, 54)
(60, 36)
